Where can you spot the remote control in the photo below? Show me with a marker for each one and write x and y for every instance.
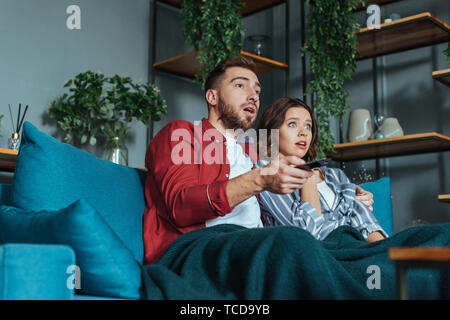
(314, 164)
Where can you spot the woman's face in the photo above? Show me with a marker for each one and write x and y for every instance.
(295, 132)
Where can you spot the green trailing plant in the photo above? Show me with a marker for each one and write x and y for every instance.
(214, 28)
(331, 44)
(98, 106)
(447, 52)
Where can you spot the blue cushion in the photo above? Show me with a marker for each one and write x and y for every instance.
(5, 194)
(382, 207)
(35, 272)
(107, 267)
(51, 175)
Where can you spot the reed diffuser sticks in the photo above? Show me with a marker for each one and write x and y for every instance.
(20, 120)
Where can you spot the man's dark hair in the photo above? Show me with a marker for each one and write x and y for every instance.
(215, 75)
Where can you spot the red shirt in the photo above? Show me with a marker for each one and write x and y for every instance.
(185, 184)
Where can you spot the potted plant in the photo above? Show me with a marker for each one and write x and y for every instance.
(332, 48)
(102, 107)
(214, 28)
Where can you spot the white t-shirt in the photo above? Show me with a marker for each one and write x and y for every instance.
(327, 193)
(246, 213)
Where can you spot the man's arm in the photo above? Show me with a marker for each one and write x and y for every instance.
(187, 200)
(279, 176)
(365, 197)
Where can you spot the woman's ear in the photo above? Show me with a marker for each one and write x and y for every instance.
(212, 97)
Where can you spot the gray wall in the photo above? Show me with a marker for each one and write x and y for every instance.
(38, 54)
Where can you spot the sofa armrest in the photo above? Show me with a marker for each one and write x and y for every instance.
(5, 194)
(36, 272)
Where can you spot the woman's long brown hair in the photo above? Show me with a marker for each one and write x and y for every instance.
(273, 118)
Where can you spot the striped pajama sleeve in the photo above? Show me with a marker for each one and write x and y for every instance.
(290, 210)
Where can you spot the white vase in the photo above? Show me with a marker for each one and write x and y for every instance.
(390, 128)
(359, 126)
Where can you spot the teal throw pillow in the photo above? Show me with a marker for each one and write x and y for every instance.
(50, 175)
(5, 194)
(107, 267)
(382, 207)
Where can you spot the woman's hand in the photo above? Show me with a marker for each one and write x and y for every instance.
(365, 197)
(375, 236)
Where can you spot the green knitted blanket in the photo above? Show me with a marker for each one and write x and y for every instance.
(232, 262)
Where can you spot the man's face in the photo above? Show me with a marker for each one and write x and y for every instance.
(238, 103)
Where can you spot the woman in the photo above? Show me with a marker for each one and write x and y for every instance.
(327, 199)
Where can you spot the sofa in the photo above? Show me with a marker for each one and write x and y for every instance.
(71, 224)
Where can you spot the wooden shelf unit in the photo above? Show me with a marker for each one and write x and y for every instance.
(250, 6)
(391, 147)
(404, 34)
(442, 76)
(187, 65)
(8, 160)
(444, 198)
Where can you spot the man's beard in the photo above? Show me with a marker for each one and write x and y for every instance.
(231, 118)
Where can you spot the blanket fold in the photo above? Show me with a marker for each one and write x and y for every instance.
(233, 262)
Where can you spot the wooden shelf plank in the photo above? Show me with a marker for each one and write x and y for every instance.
(253, 6)
(404, 34)
(444, 198)
(250, 6)
(420, 254)
(442, 76)
(187, 65)
(378, 2)
(8, 159)
(265, 65)
(391, 147)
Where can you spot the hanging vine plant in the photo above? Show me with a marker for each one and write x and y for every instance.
(332, 49)
(447, 52)
(214, 28)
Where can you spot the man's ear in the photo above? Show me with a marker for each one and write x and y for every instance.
(212, 97)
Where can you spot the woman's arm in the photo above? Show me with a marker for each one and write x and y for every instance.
(362, 195)
(310, 194)
(362, 217)
(367, 223)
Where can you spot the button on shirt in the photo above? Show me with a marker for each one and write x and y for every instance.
(246, 213)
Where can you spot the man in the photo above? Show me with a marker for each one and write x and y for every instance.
(200, 177)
